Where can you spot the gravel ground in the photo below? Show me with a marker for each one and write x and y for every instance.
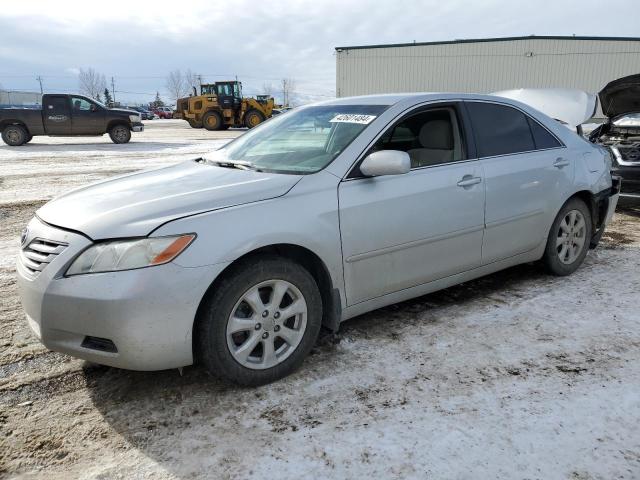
(515, 375)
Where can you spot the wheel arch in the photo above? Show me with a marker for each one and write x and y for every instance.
(118, 121)
(331, 299)
(597, 203)
(597, 206)
(5, 123)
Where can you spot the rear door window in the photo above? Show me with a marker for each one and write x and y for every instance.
(500, 129)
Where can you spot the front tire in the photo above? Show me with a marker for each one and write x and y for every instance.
(260, 322)
(569, 237)
(212, 120)
(15, 135)
(253, 118)
(120, 134)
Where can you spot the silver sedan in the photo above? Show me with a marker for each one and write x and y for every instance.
(236, 259)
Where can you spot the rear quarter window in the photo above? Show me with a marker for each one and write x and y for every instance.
(541, 137)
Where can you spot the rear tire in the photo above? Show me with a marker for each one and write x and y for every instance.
(569, 238)
(212, 120)
(253, 118)
(239, 315)
(15, 135)
(120, 134)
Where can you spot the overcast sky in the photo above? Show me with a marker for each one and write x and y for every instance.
(138, 42)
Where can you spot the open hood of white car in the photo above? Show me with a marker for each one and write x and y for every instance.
(621, 97)
(570, 106)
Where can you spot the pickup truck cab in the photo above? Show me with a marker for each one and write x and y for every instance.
(65, 115)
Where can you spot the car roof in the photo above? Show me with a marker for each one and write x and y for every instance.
(417, 97)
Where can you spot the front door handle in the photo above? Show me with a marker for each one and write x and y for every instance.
(560, 162)
(469, 180)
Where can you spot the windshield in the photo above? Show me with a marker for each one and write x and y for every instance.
(304, 141)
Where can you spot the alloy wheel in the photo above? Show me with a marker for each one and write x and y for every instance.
(266, 324)
(13, 136)
(120, 134)
(571, 237)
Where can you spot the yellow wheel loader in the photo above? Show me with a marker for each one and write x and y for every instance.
(221, 105)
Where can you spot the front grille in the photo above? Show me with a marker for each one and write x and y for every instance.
(39, 253)
(630, 153)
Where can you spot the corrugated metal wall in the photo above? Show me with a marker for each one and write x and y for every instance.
(486, 66)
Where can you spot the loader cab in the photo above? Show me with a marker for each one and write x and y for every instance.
(229, 94)
(208, 89)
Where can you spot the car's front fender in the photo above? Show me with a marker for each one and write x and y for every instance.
(306, 217)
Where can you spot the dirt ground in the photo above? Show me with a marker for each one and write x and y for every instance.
(515, 375)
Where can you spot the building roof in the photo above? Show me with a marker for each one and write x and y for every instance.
(496, 39)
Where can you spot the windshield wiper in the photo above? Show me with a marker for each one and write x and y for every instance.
(241, 165)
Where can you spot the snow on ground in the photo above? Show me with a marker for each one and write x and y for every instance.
(69, 162)
(515, 375)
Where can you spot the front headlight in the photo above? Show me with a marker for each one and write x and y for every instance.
(135, 118)
(119, 255)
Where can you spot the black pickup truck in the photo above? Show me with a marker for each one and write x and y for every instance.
(66, 116)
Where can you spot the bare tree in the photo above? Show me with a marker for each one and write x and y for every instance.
(191, 80)
(181, 84)
(267, 89)
(91, 82)
(175, 85)
(288, 87)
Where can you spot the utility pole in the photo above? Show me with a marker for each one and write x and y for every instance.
(284, 92)
(113, 89)
(39, 79)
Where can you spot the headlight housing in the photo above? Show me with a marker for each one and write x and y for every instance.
(117, 255)
(135, 118)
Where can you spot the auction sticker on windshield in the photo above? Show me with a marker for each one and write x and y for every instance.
(352, 118)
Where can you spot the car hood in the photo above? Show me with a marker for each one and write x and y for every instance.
(124, 111)
(621, 97)
(136, 204)
(570, 106)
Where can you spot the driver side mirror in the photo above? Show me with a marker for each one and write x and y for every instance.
(386, 162)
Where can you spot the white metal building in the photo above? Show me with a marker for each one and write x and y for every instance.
(486, 65)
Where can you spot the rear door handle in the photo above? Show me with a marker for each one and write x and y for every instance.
(560, 162)
(468, 180)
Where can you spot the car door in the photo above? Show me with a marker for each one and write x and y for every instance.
(88, 118)
(405, 230)
(56, 115)
(528, 172)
